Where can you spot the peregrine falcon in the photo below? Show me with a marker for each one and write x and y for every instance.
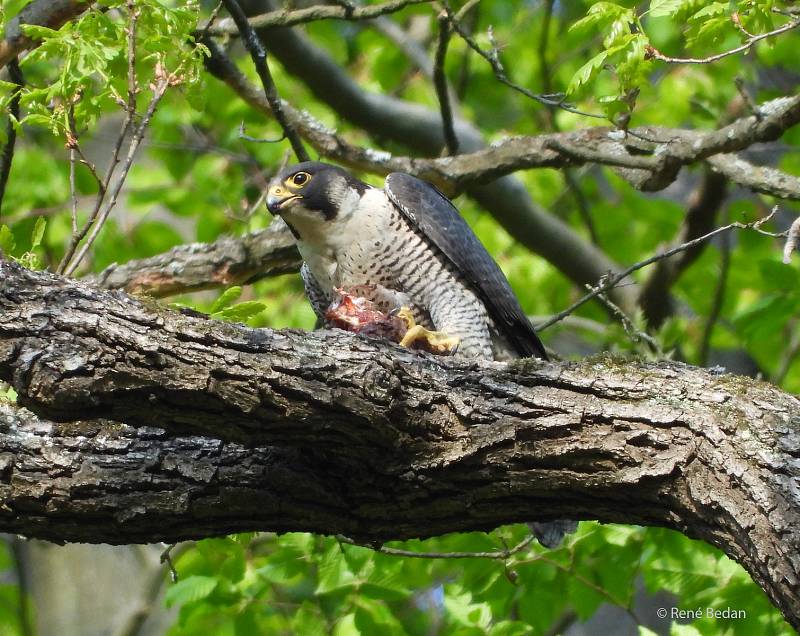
(403, 246)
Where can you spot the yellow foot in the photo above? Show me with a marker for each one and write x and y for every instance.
(417, 337)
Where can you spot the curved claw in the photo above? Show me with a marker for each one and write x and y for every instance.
(417, 337)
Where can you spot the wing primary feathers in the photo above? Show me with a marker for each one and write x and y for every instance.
(432, 214)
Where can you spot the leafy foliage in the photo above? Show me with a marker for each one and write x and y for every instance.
(197, 180)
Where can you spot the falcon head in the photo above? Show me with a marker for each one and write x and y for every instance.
(312, 191)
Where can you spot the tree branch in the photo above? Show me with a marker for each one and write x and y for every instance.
(647, 165)
(259, 56)
(328, 432)
(440, 83)
(654, 53)
(287, 18)
(227, 261)
(701, 215)
(7, 156)
(762, 179)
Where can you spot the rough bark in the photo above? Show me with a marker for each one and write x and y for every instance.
(230, 260)
(216, 428)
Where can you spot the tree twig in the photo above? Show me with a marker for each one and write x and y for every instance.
(166, 558)
(440, 83)
(287, 18)
(500, 555)
(211, 19)
(653, 53)
(614, 279)
(259, 57)
(493, 57)
(7, 156)
(246, 137)
(464, 67)
(130, 111)
(163, 81)
(635, 334)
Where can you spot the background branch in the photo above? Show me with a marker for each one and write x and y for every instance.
(287, 17)
(701, 214)
(7, 156)
(224, 262)
(440, 83)
(763, 179)
(259, 57)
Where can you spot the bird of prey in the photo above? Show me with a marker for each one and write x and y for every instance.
(401, 247)
(404, 247)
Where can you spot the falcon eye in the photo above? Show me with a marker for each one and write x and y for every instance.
(300, 178)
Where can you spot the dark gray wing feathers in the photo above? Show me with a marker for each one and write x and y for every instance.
(316, 295)
(435, 217)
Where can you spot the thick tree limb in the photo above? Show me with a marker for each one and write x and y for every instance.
(48, 13)
(344, 435)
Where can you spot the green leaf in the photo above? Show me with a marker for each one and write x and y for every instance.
(779, 276)
(346, 626)
(767, 316)
(7, 243)
(684, 630)
(38, 32)
(190, 590)
(585, 72)
(38, 232)
(309, 620)
(241, 311)
(462, 609)
(660, 8)
(600, 13)
(227, 297)
(374, 617)
(510, 628)
(333, 571)
(35, 119)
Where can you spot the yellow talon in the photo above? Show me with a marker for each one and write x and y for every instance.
(434, 341)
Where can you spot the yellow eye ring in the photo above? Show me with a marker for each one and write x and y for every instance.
(301, 178)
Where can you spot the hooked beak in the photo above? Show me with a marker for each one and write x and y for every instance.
(278, 198)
